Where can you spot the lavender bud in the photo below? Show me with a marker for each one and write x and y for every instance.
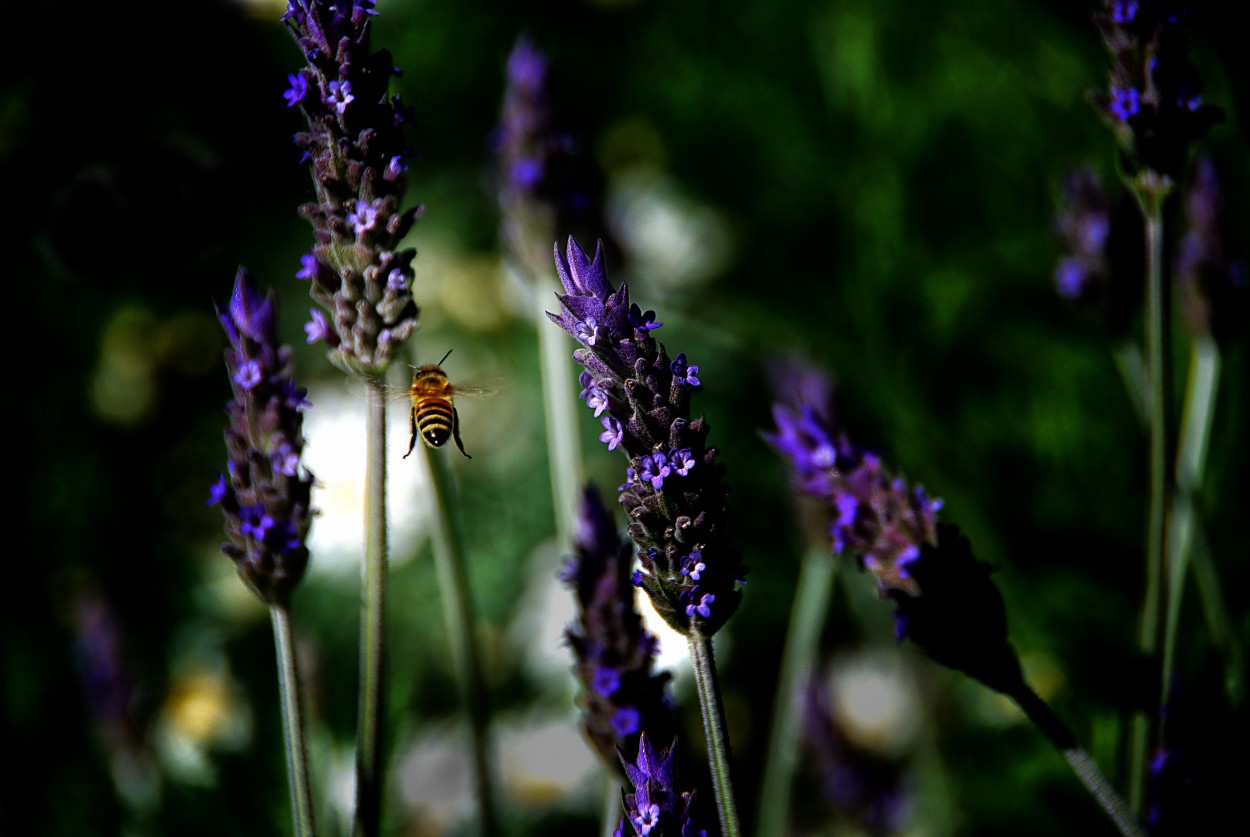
(613, 654)
(1213, 285)
(355, 146)
(655, 808)
(266, 498)
(1153, 101)
(673, 493)
(944, 599)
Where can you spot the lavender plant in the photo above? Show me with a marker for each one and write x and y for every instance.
(1154, 108)
(944, 599)
(362, 279)
(621, 697)
(673, 492)
(355, 146)
(613, 653)
(526, 145)
(656, 808)
(267, 497)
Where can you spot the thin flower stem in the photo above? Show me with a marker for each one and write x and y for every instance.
(1098, 786)
(1151, 189)
(370, 765)
(293, 724)
(559, 403)
(718, 755)
(817, 571)
(1185, 530)
(611, 804)
(1058, 734)
(1128, 361)
(457, 615)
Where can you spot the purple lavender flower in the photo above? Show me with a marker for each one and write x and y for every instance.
(355, 145)
(1213, 285)
(266, 498)
(1152, 101)
(673, 511)
(613, 654)
(655, 808)
(944, 599)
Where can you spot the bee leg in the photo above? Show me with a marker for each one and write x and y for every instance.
(412, 426)
(455, 432)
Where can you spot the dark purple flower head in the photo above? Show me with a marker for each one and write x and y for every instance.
(655, 808)
(356, 148)
(613, 654)
(674, 493)
(1214, 285)
(944, 599)
(266, 498)
(1152, 101)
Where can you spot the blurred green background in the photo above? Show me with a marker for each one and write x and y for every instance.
(870, 182)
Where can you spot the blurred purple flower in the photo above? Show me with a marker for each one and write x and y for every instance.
(613, 654)
(945, 601)
(1213, 285)
(1152, 101)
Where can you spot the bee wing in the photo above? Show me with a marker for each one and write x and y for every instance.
(391, 393)
(472, 390)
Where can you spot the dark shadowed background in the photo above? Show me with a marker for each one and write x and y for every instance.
(868, 182)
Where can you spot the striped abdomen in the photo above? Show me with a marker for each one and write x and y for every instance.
(435, 419)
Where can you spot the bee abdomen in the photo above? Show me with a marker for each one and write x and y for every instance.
(434, 420)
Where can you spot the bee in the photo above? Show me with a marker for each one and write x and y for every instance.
(434, 413)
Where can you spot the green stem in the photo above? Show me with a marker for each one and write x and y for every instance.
(560, 403)
(817, 570)
(1185, 523)
(293, 723)
(704, 665)
(370, 765)
(1132, 370)
(1058, 734)
(1151, 190)
(457, 614)
(612, 805)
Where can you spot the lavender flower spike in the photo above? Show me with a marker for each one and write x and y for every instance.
(613, 653)
(945, 601)
(355, 146)
(1152, 102)
(673, 492)
(266, 498)
(655, 808)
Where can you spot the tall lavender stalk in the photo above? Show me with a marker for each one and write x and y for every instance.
(621, 697)
(266, 498)
(1153, 106)
(673, 490)
(527, 146)
(362, 281)
(944, 599)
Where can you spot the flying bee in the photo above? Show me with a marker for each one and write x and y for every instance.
(434, 414)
